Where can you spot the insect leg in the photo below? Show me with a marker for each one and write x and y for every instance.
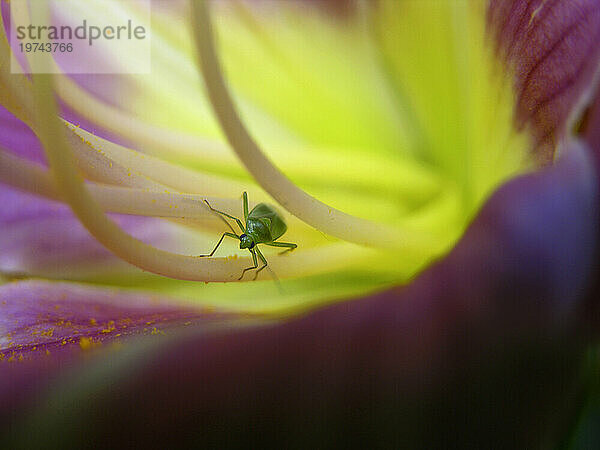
(264, 261)
(290, 246)
(219, 243)
(249, 268)
(245, 203)
(239, 222)
(265, 265)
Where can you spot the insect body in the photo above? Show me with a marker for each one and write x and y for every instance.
(263, 225)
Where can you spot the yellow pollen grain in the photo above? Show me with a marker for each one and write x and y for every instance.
(93, 321)
(110, 327)
(85, 343)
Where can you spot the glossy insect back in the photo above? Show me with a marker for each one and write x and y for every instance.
(264, 225)
(276, 226)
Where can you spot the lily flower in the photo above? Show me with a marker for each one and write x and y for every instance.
(434, 161)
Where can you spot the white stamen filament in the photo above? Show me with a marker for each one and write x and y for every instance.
(35, 179)
(129, 182)
(408, 179)
(14, 88)
(163, 172)
(286, 193)
(189, 208)
(152, 138)
(90, 214)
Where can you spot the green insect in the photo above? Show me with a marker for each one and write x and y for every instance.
(264, 225)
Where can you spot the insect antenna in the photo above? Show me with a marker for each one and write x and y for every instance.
(220, 217)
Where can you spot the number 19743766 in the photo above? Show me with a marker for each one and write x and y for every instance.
(50, 47)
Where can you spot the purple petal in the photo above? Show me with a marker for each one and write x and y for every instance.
(591, 127)
(482, 340)
(553, 47)
(37, 317)
(18, 138)
(46, 327)
(43, 238)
